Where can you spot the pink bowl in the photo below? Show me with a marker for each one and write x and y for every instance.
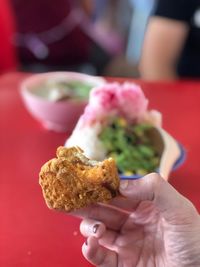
(59, 116)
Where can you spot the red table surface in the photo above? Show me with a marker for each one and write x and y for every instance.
(31, 234)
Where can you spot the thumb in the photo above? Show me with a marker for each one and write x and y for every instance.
(166, 199)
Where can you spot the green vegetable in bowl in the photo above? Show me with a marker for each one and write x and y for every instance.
(81, 89)
(58, 90)
(131, 146)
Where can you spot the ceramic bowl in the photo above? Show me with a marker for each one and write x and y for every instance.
(60, 115)
(172, 154)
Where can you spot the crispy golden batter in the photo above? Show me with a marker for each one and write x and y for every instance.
(72, 181)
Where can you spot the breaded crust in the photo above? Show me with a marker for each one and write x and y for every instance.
(72, 181)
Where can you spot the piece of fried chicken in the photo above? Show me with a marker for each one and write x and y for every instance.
(72, 181)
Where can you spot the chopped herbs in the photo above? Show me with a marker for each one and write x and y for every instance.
(131, 147)
(81, 89)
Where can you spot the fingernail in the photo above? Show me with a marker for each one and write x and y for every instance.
(95, 228)
(124, 184)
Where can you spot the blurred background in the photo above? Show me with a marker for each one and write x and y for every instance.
(100, 37)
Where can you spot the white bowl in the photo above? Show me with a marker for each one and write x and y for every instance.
(172, 153)
(62, 115)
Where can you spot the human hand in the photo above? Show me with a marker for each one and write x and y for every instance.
(149, 225)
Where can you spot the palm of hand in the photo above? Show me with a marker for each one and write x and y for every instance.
(139, 241)
(145, 239)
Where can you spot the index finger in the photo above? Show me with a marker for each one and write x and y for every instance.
(112, 216)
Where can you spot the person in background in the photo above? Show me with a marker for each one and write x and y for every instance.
(48, 36)
(8, 57)
(115, 18)
(142, 10)
(149, 225)
(64, 36)
(171, 47)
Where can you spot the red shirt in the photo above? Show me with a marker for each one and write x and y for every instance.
(8, 60)
(36, 17)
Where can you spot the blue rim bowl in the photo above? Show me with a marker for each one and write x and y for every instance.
(177, 164)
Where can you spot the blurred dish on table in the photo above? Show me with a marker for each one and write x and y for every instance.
(117, 123)
(57, 99)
